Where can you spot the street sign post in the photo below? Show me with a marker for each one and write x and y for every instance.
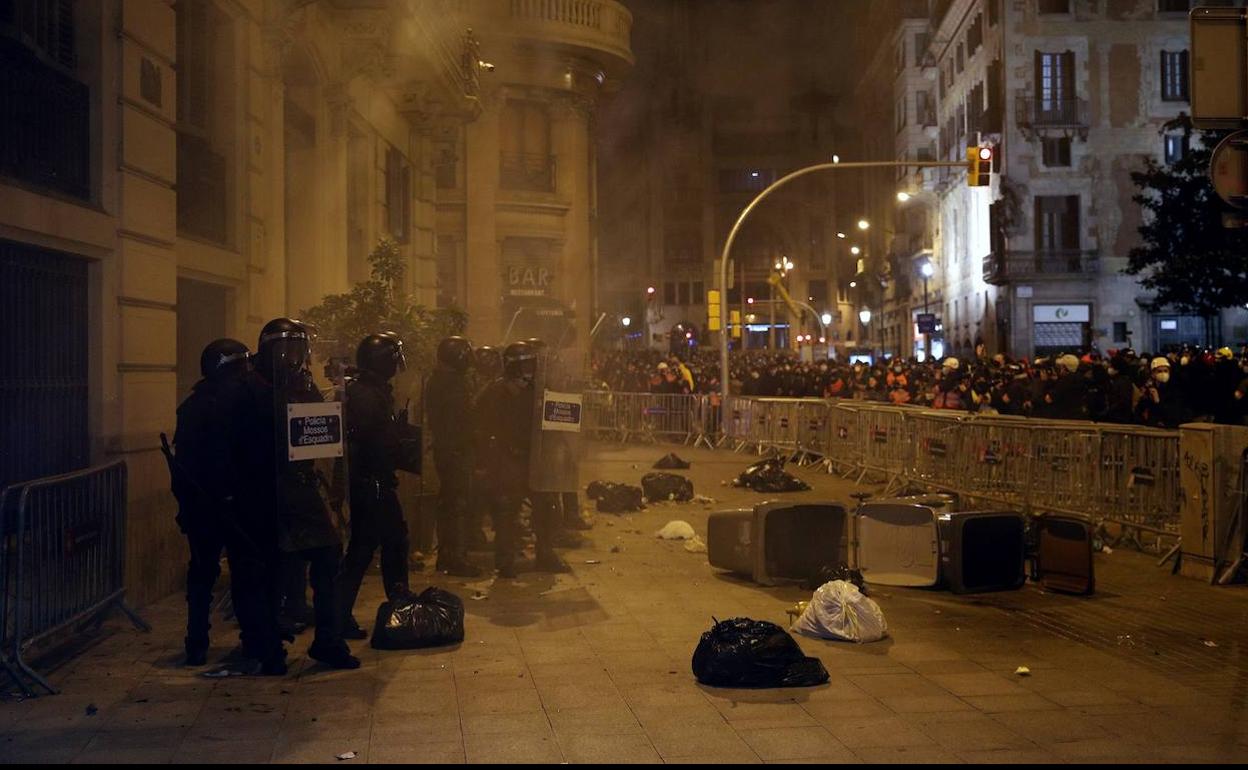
(926, 323)
(1219, 67)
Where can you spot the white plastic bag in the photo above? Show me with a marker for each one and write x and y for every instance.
(695, 545)
(676, 530)
(838, 610)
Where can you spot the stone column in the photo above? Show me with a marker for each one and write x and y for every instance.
(481, 249)
(331, 182)
(266, 266)
(316, 205)
(569, 132)
(146, 292)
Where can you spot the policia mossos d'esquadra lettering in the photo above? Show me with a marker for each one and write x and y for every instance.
(280, 499)
(374, 438)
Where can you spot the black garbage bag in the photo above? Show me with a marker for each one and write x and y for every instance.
(769, 475)
(671, 461)
(615, 498)
(667, 486)
(829, 572)
(432, 619)
(753, 653)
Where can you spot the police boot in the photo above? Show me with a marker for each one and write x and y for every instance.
(273, 666)
(351, 629)
(333, 655)
(196, 652)
(507, 569)
(572, 514)
(549, 561)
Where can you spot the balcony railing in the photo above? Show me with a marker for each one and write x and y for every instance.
(201, 190)
(45, 120)
(1003, 267)
(1033, 113)
(531, 172)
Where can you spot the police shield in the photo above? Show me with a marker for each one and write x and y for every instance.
(554, 457)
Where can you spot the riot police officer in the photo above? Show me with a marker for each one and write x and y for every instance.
(372, 452)
(448, 402)
(206, 516)
(488, 362)
(503, 432)
(282, 497)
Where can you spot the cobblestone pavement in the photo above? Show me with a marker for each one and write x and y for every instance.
(594, 667)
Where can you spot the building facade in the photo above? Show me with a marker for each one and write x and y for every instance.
(697, 132)
(1073, 96)
(175, 172)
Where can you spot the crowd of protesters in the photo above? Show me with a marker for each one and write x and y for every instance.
(1124, 387)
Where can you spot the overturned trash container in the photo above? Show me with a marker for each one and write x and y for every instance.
(742, 652)
(777, 541)
(898, 544)
(1061, 554)
(982, 551)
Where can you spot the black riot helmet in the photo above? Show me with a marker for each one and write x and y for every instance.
(519, 361)
(488, 361)
(455, 352)
(223, 358)
(284, 347)
(537, 345)
(381, 354)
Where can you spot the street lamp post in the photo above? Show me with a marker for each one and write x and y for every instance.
(927, 270)
(724, 368)
(864, 316)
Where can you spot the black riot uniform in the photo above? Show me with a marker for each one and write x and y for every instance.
(448, 407)
(372, 452)
(503, 436)
(205, 511)
(282, 497)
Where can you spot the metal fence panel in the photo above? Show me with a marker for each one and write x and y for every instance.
(70, 544)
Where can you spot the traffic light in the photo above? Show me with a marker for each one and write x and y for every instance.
(979, 161)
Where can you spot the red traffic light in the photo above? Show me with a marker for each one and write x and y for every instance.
(985, 153)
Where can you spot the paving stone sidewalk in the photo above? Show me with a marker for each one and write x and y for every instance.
(595, 667)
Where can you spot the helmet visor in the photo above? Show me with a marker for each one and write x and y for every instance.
(289, 348)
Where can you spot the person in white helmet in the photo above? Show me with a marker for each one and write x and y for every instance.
(1161, 404)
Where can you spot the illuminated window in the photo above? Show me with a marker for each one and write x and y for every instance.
(1174, 76)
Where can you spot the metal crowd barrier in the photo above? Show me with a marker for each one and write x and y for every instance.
(63, 560)
(1126, 475)
(649, 417)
